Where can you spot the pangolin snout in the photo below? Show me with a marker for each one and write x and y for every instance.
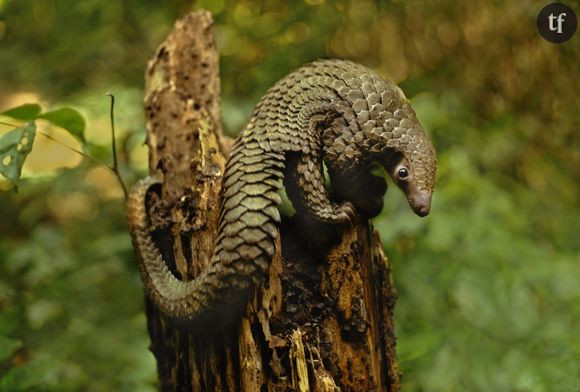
(420, 203)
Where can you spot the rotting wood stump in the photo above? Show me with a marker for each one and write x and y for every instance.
(319, 322)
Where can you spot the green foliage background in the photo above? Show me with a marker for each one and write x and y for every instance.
(489, 283)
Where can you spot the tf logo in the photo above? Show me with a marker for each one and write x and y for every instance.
(557, 23)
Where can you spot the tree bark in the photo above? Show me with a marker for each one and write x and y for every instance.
(320, 322)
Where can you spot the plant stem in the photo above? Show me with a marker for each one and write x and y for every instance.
(114, 145)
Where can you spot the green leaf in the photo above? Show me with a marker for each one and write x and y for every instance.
(67, 118)
(14, 148)
(26, 112)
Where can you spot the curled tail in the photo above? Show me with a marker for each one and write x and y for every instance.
(244, 246)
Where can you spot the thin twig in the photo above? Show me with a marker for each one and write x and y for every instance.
(84, 154)
(10, 125)
(114, 145)
(46, 135)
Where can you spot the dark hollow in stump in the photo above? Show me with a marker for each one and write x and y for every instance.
(319, 323)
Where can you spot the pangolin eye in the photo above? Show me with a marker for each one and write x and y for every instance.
(403, 172)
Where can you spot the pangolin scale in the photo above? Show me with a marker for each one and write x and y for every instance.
(330, 111)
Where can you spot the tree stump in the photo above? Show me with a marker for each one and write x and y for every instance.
(319, 322)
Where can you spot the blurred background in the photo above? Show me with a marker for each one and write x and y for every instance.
(489, 283)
